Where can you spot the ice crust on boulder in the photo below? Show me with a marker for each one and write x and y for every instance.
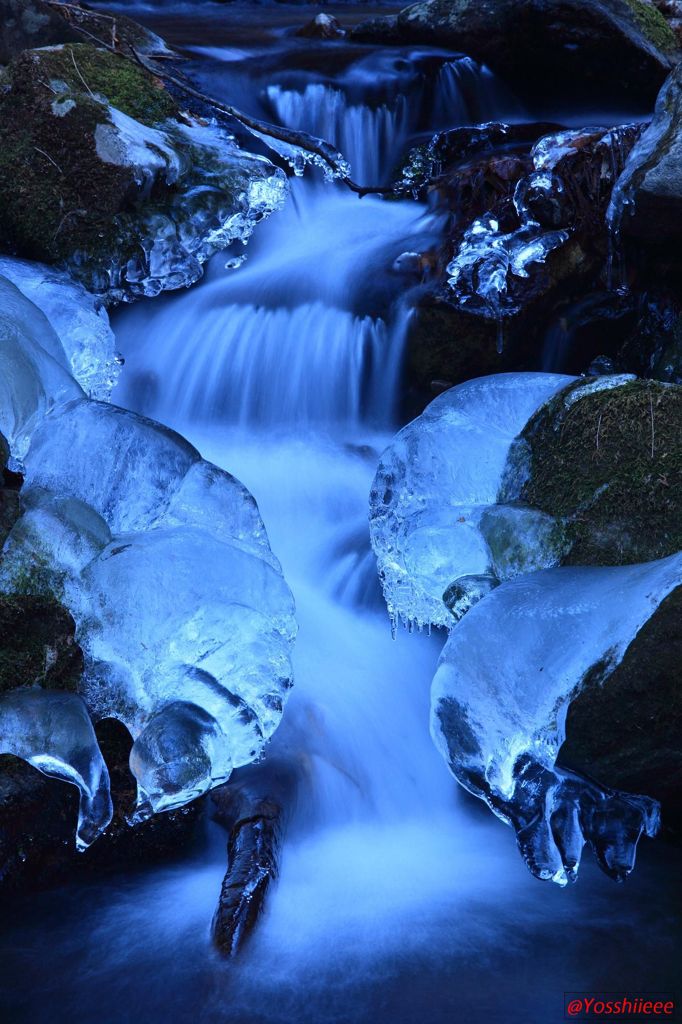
(184, 618)
(501, 693)
(434, 517)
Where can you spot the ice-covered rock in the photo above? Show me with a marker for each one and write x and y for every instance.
(79, 320)
(181, 611)
(501, 692)
(433, 513)
(140, 196)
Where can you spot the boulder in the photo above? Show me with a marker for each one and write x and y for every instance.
(28, 24)
(525, 231)
(614, 46)
(322, 26)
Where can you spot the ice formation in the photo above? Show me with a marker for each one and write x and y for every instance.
(486, 269)
(433, 515)
(501, 693)
(53, 732)
(182, 613)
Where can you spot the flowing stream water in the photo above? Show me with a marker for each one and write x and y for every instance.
(399, 898)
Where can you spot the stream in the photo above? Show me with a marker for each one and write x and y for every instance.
(400, 898)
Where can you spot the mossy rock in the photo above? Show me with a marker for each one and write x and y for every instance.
(81, 68)
(653, 25)
(58, 195)
(627, 732)
(609, 463)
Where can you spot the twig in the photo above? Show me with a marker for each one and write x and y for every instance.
(599, 428)
(651, 410)
(48, 157)
(78, 72)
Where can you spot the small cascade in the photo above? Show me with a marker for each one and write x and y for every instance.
(467, 93)
(371, 138)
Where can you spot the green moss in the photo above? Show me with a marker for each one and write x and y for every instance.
(58, 196)
(88, 70)
(653, 25)
(610, 464)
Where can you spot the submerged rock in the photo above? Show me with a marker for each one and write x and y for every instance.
(322, 26)
(100, 173)
(613, 46)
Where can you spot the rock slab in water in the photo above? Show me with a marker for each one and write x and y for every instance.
(612, 46)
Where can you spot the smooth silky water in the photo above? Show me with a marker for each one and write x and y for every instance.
(399, 898)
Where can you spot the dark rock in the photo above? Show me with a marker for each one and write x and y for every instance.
(128, 212)
(322, 26)
(37, 644)
(552, 200)
(627, 732)
(610, 45)
(26, 24)
(610, 464)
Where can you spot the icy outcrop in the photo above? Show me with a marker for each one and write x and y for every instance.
(79, 320)
(52, 731)
(183, 616)
(434, 520)
(501, 692)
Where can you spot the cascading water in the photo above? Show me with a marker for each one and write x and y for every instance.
(286, 372)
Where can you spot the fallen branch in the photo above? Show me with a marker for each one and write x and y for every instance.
(254, 808)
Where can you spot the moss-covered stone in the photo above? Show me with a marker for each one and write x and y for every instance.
(610, 463)
(653, 25)
(83, 68)
(57, 194)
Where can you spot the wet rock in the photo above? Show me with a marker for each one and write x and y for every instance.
(610, 45)
(100, 172)
(610, 464)
(627, 732)
(526, 231)
(322, 26)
